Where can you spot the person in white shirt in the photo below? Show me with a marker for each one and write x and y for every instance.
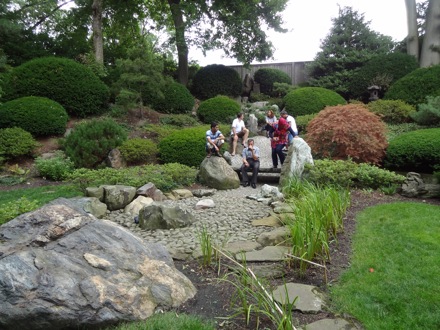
(271, 121)
(293, 130)
(238, 130)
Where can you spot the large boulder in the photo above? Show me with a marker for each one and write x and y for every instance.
(415, 186)
(62, 268)
(216, 173)
(299, 155)
(161, 216)
(118, 196)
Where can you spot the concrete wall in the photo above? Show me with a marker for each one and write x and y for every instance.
(295, 70)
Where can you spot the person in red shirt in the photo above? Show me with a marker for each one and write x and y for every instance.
(278, 141)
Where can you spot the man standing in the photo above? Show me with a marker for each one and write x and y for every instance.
(293, 130)
(214, 140)
(251, 161)
(238, 130)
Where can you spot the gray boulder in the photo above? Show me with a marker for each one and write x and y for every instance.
(415, 186)
(160, 216)
(118, 196)
(61, 268)
(91, 205)
(299, 155)
(216, 173)
(115, 160)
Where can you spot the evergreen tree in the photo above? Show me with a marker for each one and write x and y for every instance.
(346, 48)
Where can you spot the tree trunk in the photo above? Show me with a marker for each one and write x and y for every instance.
(412, 40)
(98, 44)
(431, 43)
(182, 47)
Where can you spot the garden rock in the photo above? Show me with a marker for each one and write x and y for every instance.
(216, 173)
(298, 156)
(252, 124)
(115, 159)
(203, 192)
(118, 196)
(182, 193)
(147, 190)
(135, 206)
(160, 216)
(91, 205)
(97, 192)
(330, 324)
(62, 268)
(308, 298)
(274, 237)
(414, 186)
(268, 253)
(205, 204)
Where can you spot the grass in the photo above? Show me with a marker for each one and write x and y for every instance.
(393, 281)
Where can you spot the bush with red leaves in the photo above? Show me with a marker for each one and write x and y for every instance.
(347, 131)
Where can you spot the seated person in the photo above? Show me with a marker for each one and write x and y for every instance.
(238, 130)
(251, 161)
(271, 120)
(293, 130)
(214, 140)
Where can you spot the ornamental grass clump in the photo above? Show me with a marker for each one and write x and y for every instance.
(347, 131)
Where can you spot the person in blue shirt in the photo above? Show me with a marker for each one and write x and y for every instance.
(214, 140)
(251, 161)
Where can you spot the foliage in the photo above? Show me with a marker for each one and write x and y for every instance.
(56, 168)
(349, 175)
(345, 49)
(395, 130)
(89, 143)
(15, 142)
(186, 146)
(416, 86)
(177, 99)
(347, 131)
(428, 113)
(414, 151)
(267, 77)
(13, 209)
(164, 177)
(65, 81)
(39, 116)
(394, 256)
(282, 89)
(219, 109)
(310, 100)
(381, 70)
(258, 97)
(179, 120)
(303, 121)
(138, 151)
(209, 254)
(216, 79)
(392, 111)
(166, 321)
(158, 132)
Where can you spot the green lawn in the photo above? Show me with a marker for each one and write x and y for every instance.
(394, 278)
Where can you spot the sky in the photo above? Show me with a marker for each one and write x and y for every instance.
(309, 22)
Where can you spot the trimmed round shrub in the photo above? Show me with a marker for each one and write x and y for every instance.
(347, 131)
(56, 168)
(392, 111)
(414, 151)
(382, 70)
(186, 146)
(216, 79)
(309, 100)
(15, 142)
(219, 109)
(65, 81)
(138, 151)
(266, 77)
(416, 86)
(178, 99)
(37, 115)
(89, 143)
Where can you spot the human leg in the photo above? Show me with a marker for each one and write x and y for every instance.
(245, 136)
(255, 168)
(234, 144)
(274, 158)
(279, 152)
(244, 175)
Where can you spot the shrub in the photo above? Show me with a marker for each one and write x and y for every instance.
(308, 100)
(36, 115)
(158, 132)
(395, 130)
(179, 120)
(282, 89)
(65, 81)
(164, 177)
(416, 86)
(414, 151)
(186, 146)
(303, 121)
(219, 109)
(178, 99)
(138, 151)
(347, 131)
(266, 77)
(90, 142)
(56, 168)
(15, 142)
(381, 70)
(392, 111)
(429, 112)
(216, 79)
(13, 209)
(348, 174)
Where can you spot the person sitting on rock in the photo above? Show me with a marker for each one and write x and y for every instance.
(271, 121)
(238, 130)
(214, 140)
(251, 161)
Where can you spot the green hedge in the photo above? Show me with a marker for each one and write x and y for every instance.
(220, 109)
(177, 99)
(267, 77)
(392, 111)
(39, 116)
(15, 142)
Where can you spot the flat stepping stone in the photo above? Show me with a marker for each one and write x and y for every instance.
(268, 270)
(269, 253)
(329, 324)
(270, 221)
(241, 246)
(308, 298)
